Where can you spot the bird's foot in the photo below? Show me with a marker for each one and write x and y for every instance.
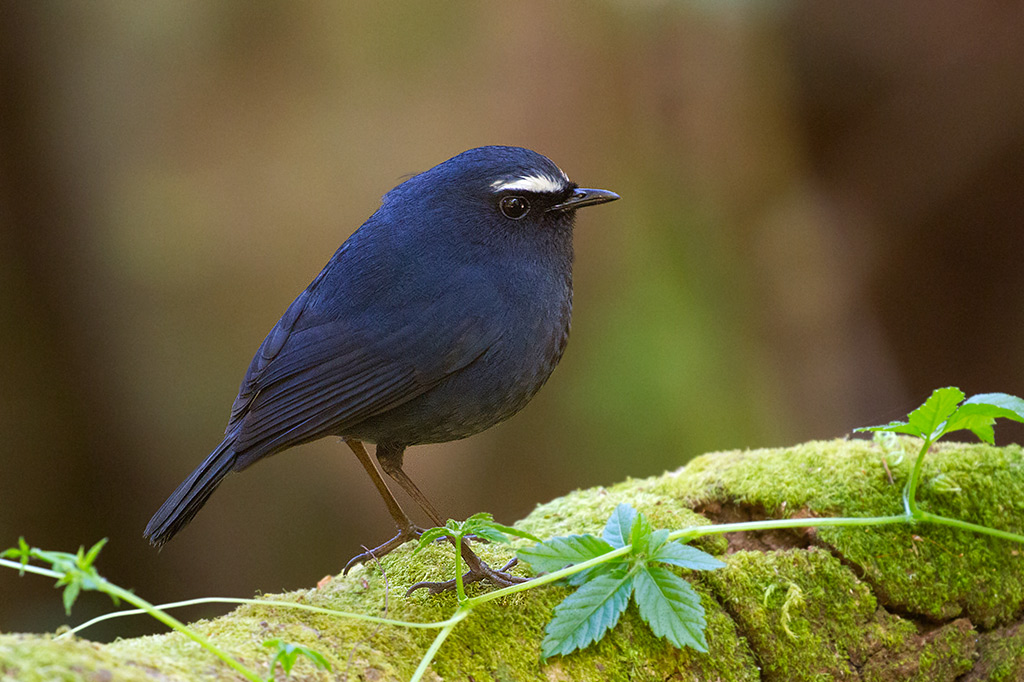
(479, 571)
(404, 536)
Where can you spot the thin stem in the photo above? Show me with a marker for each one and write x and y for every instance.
(968, 526)
(174, 623)
(460, 589)
(28, 568)
(547, 577)
(910, 493)
(461, 613)
(690, 533)
(770, 524)
(256, 602)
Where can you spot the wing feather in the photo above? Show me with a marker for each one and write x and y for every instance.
(341, 355)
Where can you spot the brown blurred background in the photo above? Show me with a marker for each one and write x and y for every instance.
(822, 220)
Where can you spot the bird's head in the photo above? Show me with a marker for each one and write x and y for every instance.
(504, 186)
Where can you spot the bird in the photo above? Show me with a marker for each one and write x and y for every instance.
(440, 317)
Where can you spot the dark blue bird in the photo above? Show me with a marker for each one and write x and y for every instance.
(438, 318)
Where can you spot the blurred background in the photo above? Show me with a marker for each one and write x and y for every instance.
(822, 221)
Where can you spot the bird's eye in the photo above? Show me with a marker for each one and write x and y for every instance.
(514, 207)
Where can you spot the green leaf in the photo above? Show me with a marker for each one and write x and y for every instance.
(489, 534)
(91, 555)
(432, 535)
(671, 607)
(639, 534)
(678, 554)
(893, 427)
(287, 654)
(979, 424)
(71, 592)
(585, 615)
(998, 405)
(512, 530)
(980, 411)
(933, 414)
(620, 523)
(22, 553)
(656, 540)
(559, 552)
(482, 523)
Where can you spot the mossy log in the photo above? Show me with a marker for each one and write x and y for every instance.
(894, 602)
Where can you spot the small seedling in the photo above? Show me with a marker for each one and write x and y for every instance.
(287, 655)
(944, 412)
(77, 570)
(481, 526)
(666, 602)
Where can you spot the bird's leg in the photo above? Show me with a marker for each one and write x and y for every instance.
(390, 458)
(406, 530)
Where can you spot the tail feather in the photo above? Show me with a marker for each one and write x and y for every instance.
(183, 504)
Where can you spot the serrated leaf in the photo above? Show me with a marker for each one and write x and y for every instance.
(1000, 404)
(671, 607)
(512, 530)
(559, 552)
(71, 592)
(656, 540)
(22, 553)
(935, 411)
(989, 406)
(979, 424)
(93, 552)
(490, 534)
(639, 533)
(493, 531)
(585, 615)
(431, 535)
(620, 523)
(678, 554)
(985, 431)
(893, 427)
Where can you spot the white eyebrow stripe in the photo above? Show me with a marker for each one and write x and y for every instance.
(532, 183)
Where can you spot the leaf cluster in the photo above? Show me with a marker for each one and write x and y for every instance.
(78, 572)
(946, 411)
(668, 604)
(481, 526)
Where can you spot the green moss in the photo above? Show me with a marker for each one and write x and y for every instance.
(40, 658)
(943, 654)
(806, 616)
(1000, 656)
(928, 570)
(824, 612)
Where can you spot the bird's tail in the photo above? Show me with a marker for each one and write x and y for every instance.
(176, 512)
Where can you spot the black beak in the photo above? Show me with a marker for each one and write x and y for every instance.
(584, 197)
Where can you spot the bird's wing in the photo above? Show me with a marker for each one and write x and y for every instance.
(315, 373)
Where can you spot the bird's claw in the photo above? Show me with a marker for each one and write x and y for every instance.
(382, 550)
(480, 572)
